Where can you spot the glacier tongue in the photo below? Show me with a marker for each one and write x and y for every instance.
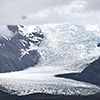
(42, 80)
(64, 49)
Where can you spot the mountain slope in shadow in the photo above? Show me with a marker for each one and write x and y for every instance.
(90, 74)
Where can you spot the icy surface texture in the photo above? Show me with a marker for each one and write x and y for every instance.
(64, 49)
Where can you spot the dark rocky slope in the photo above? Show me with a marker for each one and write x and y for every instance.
(41, 96)
(90, 74)
(11, 58)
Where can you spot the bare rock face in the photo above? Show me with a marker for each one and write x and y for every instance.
(20, 51)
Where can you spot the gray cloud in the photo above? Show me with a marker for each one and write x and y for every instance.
(5, 32)
(29, 12)
(25, 12)
(12, 11)
(49, 11)
(93, 5)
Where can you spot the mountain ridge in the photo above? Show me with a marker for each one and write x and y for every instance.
(12, 56)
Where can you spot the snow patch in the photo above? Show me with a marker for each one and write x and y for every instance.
(27, 50)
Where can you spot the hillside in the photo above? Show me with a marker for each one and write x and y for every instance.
(90, 74)
(20, 51)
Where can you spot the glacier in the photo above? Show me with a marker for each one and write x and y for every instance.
(66, 48)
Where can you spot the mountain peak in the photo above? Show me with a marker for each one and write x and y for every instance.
(20, 51)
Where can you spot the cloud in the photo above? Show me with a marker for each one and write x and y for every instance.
(29, 12)
(4, 31)
(26, 12)
(93, 5)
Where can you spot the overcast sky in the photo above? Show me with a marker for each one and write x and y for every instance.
(28, 12)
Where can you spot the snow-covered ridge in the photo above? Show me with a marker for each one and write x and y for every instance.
(35, 36)
(64, 45)
(69, 45)
(21, 49)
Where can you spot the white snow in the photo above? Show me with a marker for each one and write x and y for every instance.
(0, 45)
(5, 38)
(27, 30)
(64, 49)
(68, 45)
(42, 80)
(92, 28)
(3, 44)
(23, 42)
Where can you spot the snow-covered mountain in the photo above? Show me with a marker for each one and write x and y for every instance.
(20, 51)
(70, 46)
(53, 49)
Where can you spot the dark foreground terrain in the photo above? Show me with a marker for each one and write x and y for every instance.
(4, 96)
